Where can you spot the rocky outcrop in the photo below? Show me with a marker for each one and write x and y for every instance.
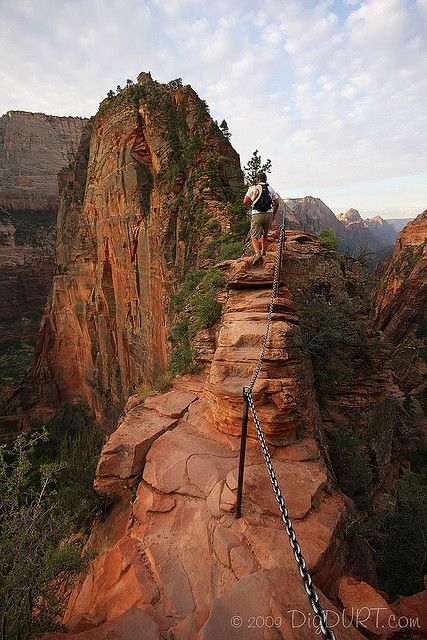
(151, 172)
(286, 409)
(172, 558)
(312, 215)
(33, 148)
(400, 303)
(180, 560)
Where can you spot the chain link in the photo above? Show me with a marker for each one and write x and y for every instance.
(305, 575)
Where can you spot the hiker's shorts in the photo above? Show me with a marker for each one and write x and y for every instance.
(260, 224)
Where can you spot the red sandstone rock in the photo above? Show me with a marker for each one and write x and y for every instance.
(400, 300)
(282, 404)
(411, 613)
(135, 624)
(33, 149)
(119, 253)
(171, 404)
(366, 608)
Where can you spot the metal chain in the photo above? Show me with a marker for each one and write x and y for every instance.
(304, 573)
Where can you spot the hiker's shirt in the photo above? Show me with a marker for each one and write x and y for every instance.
(251, 193)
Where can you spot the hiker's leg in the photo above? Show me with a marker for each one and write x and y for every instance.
(256, 233)
(255, 245)
(264, 242)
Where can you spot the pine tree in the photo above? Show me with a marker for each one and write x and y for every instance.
(225, 130)
(118, 90)
(175, 84)
(254, 166)
(110, 94)
(129, 82)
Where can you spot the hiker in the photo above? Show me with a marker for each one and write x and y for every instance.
(265, 202)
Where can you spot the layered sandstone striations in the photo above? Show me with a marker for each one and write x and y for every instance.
(400, 307)
(151, 172)
(33, 148)
(285, 408)
(173, 559)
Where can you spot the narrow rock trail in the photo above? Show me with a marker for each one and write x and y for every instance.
(173, 562)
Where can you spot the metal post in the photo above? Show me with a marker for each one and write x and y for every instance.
(242, 454)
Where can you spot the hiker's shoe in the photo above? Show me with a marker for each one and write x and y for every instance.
(257, 259)
(264, 253)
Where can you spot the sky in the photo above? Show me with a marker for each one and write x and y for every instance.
(332, 91)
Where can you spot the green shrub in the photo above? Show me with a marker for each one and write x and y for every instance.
(403, 554)
(338, 344)
(15, 358)
(75, 443)
(37, 563)
(351, 464)
(197, 308)
(181, 357)
(329, 239)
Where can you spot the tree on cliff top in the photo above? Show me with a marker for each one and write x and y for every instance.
(254, 166)
(175, 84)
(225, 130)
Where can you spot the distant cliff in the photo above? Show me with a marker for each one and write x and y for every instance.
(33, 148)
(357, 235)
(151, 175)
(400, 309)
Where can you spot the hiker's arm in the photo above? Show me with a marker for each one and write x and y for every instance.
(247, 202)
(275, 207)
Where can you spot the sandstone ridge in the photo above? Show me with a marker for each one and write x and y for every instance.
(172, 559)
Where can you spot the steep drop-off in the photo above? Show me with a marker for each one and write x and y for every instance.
(33, 149)
(151, 172)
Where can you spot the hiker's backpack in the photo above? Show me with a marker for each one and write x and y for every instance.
(263, 202)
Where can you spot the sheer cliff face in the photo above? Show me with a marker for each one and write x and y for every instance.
(33, 148)
(151, 171)
(400, 302)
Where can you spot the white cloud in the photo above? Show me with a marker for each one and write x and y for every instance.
(332, 92)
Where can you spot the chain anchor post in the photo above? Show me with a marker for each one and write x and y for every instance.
(243, 439)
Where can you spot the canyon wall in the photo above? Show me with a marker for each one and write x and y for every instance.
(33, 148)
(152, 171)
(400, 311)
(357, 235)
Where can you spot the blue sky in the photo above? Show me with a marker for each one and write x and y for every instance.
(333, 91)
